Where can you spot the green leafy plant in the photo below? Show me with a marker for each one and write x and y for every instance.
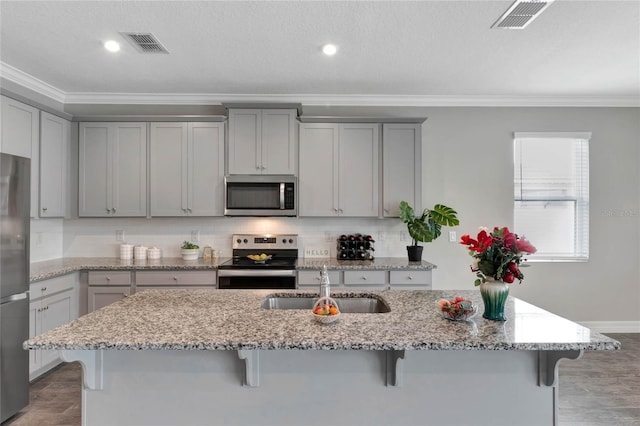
(189, 246)
(428, 226)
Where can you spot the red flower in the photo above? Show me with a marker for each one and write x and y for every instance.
(481, 244)
(525, 246)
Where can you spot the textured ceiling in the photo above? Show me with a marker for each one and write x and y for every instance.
(418, 48)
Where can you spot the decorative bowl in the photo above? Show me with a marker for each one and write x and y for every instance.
(257, 259)
(458, 309)
(325, 319)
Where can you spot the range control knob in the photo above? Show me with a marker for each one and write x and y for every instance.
(246, 241)
(284, 241)
(238, 241)
(290, 240)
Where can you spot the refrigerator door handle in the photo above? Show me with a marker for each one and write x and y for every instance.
(14, 297)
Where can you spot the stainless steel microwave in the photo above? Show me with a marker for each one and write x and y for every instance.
(260, 195)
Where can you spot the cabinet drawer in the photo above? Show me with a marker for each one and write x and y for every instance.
(175, 278)
(365, 278)
(410, 277)
(109, 278)
(51, 286)
(312, 278)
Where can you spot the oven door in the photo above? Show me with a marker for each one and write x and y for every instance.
(245, 279)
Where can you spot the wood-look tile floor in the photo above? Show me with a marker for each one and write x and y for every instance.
(600, 389)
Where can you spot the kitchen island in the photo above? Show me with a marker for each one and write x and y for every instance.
(216, 357)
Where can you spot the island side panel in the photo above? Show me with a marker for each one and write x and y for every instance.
(157, 387)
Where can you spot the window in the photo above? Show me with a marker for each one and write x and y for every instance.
(551, 193)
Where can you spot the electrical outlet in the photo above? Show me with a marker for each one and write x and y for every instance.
(119, 235)
(195, 236)
(327, 237)
(381, 236)
(452, 237)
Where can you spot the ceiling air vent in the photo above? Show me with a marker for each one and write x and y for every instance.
(145, 42)
(521, 13)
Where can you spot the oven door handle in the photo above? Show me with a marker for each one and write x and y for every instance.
(254, 273)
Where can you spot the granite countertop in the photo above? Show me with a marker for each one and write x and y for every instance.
(54, 268)
(211, 319)
(382, 263)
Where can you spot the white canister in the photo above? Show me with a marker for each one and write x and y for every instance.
(126, 251)
(140, 252)
(153, 253)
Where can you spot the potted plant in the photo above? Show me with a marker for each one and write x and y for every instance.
(426, 227)
(190, 251)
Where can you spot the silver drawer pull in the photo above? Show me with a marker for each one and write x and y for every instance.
(44, 209)
(108, 278)
(175, 278)
(363, 278)
(44, 289)
(125, 295)
(409, 277)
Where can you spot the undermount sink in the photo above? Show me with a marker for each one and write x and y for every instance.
(347, 305)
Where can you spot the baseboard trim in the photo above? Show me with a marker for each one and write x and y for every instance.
(612, 326)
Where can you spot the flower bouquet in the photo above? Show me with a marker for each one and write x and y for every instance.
(497, 255)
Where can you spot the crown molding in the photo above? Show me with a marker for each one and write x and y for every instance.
(28, 81)
(352, 100)
(100, 98)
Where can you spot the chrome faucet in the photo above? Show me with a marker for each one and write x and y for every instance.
(325, 286)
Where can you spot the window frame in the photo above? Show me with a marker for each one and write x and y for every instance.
(581, 210)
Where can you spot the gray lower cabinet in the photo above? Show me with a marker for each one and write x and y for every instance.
(52, 303)
(187, 169)
(107, 287)
(165, 279)
(360, 279)
(112, 170)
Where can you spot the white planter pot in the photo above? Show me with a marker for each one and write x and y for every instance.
(190, 254)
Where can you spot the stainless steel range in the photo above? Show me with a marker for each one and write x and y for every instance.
(251, 269)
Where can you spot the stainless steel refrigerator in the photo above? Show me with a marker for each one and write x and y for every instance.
(14, 283)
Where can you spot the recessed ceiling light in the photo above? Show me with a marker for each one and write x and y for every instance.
(112, 45)
(329, 49)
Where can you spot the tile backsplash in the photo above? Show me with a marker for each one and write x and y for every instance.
(97, 237)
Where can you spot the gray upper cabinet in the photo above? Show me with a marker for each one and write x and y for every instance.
(54, 151)
(339, 169)
(112, 169)
(262, 141)
(20, 136)
(401, 167)
(187, 169)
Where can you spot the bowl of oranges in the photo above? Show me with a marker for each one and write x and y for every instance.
(326, 310)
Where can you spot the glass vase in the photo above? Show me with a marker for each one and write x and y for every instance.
(494, 295)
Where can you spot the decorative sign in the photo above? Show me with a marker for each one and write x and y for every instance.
(317, 251)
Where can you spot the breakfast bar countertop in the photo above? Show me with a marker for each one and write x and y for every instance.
(210, 319)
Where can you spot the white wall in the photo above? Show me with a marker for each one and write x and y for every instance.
(468, 165)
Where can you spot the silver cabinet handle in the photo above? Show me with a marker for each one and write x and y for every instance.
(114, 210)
(386, 211)
(108, 210)
(44, 289)
(44, 209)
(175, 278)
(108, 278)
(363, 278)
(125, 295)
(409, 277)
(184, 210)
(335, 210)
(340, 210)
(189, 210)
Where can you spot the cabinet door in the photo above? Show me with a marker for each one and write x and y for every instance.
(245, 129)
(279, 148)
(401, 167)
(318, 172)
(35, 327)
(103, 296)
(95, 171)
(20, 136)
(57, 310)
(168, 169)
(129, 169)
(54, 148)
(205, 172)
(358, 170)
